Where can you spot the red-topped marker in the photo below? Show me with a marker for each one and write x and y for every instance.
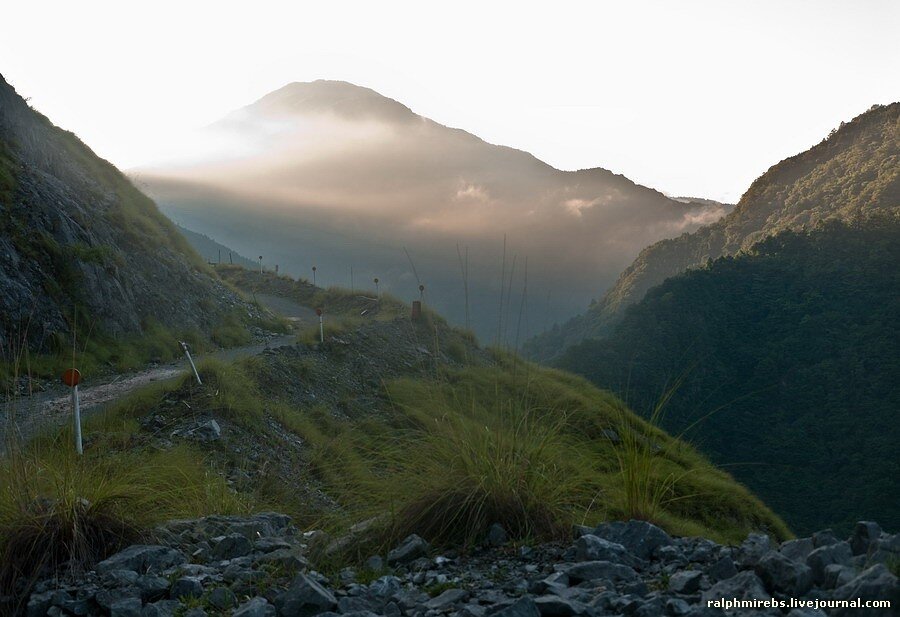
(319, 312)
(72, 377)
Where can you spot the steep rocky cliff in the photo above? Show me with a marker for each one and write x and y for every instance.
(77, 237)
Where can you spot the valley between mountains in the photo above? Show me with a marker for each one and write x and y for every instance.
(386, 461)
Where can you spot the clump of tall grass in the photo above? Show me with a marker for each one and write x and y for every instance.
(461, 476)
(63, 512)
(456, 462)
(646, 484)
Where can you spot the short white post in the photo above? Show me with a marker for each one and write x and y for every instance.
(191, 360)
(77, 406)
(319, 312)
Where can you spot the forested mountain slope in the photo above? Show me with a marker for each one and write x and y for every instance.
(782, 364)
(855, 170)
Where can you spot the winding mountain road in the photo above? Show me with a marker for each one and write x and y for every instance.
(26, 414)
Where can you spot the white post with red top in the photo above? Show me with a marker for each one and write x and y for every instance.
(71, 378)
(319, 312)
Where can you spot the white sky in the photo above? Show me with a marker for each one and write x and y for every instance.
(689, 97)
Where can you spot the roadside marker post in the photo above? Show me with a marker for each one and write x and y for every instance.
(187, 352)
(71, 378)
(319, 312)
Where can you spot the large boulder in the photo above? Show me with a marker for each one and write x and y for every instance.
(600, 570)
(865, 534)
(797, 550)
(639, 537)
(744, 586)
(685, 582)
(410, 549)
(142, 558)
(837, 553)
(875, 583)
(255, 607)
(592, 548)
(231, 546)
(782, 575)
(304, 598)
(752, 550)
(523, 607)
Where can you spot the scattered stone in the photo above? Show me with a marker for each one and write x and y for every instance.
(374, 563)
(142, 558)
(837, 553)
(410, 549)
(865, 534)
(837, 575)
(639, 537)
(744, 586)
(523, 607)
(305, 597)
(187, 587)
(222, 598)
(448, 598)
(685, 582)
(232, 546)
(163, 608)
(780, 574)
(606, 570)
(752, 550)
(255, 607)
(261, 559)
(826, 537)
(555, 606)
(797, 550)
(592, 548)
(722, 569)
(496, 535)
(127, 607)
(875, 583)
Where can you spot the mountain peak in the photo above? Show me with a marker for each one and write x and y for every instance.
(341, 98)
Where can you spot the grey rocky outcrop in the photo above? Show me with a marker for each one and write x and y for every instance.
(222, 565)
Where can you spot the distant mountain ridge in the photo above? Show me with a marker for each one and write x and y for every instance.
(337, 175)
(855, 169)
(77, 237)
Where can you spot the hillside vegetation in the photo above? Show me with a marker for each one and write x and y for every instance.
(88, 256)
(409, 422)
(784, 363)
(851, 174)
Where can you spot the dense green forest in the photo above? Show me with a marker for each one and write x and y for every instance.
(853, 172)
(783, 365)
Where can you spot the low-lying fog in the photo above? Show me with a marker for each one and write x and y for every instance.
(337, 176)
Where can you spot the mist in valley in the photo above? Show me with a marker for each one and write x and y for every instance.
(337, 176)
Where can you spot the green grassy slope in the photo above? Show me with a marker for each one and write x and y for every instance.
(391, 417)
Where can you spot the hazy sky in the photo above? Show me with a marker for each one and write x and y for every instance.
(689, 97)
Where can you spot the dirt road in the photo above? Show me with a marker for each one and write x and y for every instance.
(55, 406)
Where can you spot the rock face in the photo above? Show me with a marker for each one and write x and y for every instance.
(75, 231)
(223, 565)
